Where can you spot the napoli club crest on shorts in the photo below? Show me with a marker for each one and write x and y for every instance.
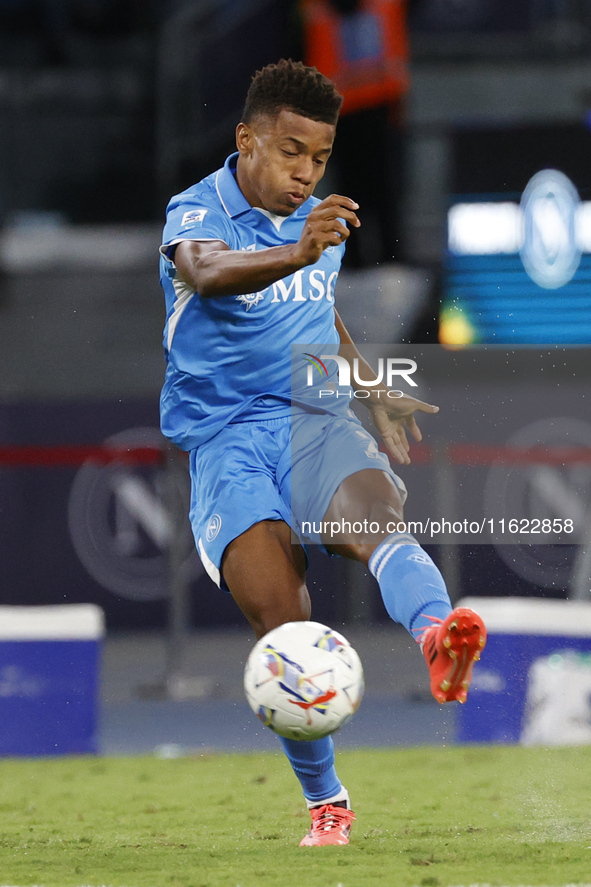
(213, 527)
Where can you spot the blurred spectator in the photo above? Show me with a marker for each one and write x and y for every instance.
(362, 46)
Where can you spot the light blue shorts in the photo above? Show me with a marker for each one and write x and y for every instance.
(280, 469)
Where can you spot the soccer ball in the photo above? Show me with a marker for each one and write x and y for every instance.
(303, 680)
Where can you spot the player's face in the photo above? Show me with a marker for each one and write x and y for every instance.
(282, 159)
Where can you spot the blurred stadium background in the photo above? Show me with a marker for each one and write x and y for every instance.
(110, 106)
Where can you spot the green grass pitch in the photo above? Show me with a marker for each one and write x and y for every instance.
(430, 817)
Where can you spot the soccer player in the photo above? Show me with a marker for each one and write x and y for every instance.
(249, 262)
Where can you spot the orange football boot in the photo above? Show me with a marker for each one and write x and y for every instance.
(330, 825)
(451, 646)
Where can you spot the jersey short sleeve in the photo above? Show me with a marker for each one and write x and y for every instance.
(189, 219)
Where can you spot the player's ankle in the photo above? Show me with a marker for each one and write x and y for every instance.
(339, 800)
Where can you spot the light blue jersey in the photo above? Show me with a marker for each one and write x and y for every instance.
(229, 357)
(236, 386)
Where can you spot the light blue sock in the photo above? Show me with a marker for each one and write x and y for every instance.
(411, 585)
(313, 764)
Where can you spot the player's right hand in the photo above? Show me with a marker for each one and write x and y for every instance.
(324, 227)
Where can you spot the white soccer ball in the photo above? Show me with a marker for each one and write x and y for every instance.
(304, 680)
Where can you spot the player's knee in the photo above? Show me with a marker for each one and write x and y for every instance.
(268, 611)
(384, 513)
(357, 551)
(294, 609)
(265, 618)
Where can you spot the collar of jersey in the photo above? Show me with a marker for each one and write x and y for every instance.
(231, 197)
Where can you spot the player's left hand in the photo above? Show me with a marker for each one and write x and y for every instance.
(393, 417)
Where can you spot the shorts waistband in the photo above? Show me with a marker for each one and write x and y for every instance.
(268, 423)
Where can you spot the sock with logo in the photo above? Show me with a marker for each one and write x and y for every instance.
(411, 585)
(313, 764)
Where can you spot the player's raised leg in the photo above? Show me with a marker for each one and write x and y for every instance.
(266, 575)
(412, 587)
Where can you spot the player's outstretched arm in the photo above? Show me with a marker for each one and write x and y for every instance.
(393, 417)
(213, 269)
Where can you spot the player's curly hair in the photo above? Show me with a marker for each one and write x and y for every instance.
(292, 86)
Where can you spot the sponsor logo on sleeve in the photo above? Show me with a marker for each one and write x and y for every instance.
(194, 216)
